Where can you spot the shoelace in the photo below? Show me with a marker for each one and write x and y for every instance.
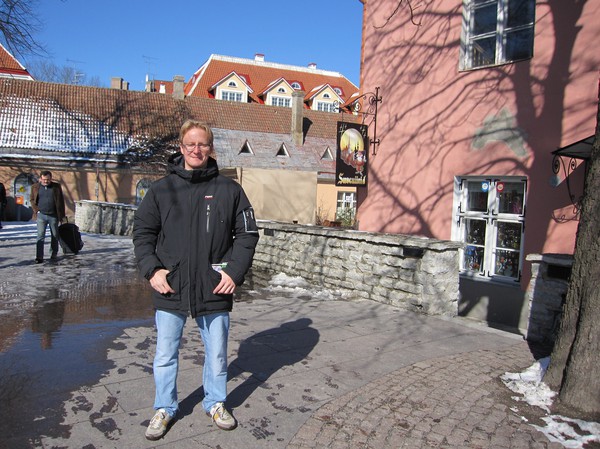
(157, 420)
(221, 412)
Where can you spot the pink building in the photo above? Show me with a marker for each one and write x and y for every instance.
(476, 97)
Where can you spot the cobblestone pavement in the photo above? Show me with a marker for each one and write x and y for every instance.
(306, 372)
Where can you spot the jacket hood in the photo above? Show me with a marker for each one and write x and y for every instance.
(175, 164)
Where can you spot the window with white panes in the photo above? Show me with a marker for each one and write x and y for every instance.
(346, 207)
(490, 220)
(326, 106)
(281, 101)
(496, 32)
(231, 96)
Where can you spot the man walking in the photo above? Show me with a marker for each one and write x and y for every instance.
(48, 205)
(2, 202)
(194, 236)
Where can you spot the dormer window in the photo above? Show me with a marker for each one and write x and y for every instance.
(326, 106)
(232, 84)
(246, 149)
(296, 85)
(283, 152)
(326, 95)
(228, 95)
(338, 91)
(327, 156)
(285, 102)
(281, 90)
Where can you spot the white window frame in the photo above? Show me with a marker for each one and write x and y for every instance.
(326, 106)
(232, 95)
(345, 200)
(497, 254)
(501, 33)
(284, 102)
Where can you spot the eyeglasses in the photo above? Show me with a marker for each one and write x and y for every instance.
(191, 146)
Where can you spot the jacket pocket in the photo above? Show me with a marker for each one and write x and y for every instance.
(214, 279)
(174, 279)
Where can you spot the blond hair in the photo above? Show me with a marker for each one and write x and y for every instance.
(191, 124)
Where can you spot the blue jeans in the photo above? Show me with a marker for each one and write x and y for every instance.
(44, 220)
(214, 330)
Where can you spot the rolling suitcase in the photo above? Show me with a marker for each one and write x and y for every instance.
(71, 238)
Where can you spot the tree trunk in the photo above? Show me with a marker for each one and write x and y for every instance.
(575, 361)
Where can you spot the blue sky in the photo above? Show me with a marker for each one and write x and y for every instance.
(132, 38)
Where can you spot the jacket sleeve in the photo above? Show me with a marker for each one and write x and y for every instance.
(60, 203)
(245, 240)
(33, 198)
(146, 228)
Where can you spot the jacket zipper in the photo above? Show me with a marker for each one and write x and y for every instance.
(207, 217)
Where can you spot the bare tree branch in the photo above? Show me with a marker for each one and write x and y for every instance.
(411, 7)
(18, 25)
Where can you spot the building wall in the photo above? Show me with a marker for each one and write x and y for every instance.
(327, 196)
(431, 114)
(281, 195)
(116, 185)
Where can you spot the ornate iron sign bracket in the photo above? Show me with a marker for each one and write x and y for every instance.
(557, 163)
(366, 106)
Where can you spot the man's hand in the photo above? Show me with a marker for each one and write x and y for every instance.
(159, 282)
(226, 286)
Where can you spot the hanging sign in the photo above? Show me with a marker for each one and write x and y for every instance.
(500, 186)
(351, 154)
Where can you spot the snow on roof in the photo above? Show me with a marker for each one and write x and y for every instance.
(42, 124)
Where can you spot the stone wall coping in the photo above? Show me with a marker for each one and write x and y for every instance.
(563, 260)
(372, 237)
(106, 204)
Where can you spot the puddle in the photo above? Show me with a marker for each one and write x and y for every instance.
(57, 343)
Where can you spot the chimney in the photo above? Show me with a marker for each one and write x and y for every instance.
(297, 117)
(178, 87)
(312, 65)
(259, 57)
(116, 83)
(149, 84)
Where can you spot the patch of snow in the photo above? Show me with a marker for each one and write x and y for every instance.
(571, 433)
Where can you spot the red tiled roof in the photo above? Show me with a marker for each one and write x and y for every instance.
(108, 119)
(168, 86)
(259, 75)
(9, 66)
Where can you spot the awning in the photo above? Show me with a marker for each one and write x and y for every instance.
(578, 150)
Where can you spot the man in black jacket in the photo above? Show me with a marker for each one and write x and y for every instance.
(194, 237)
(48, 204)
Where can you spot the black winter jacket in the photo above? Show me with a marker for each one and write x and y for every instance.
(188, 221)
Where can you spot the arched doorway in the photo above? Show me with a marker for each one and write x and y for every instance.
(22, 193)
(140, 190)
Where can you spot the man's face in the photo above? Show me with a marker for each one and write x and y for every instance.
(196, 148)
(45, 180)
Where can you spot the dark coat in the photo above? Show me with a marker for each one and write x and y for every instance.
(59, 199)
(188, 221)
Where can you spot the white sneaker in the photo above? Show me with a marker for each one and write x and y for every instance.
(158, 425)
(222, 417)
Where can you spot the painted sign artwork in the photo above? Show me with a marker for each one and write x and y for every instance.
(352, 154)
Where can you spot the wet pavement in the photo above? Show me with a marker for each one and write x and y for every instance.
(307, 369)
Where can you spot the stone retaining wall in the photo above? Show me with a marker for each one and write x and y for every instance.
(546, 295)
(415, 273)
(104, 218)
(410, 272)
